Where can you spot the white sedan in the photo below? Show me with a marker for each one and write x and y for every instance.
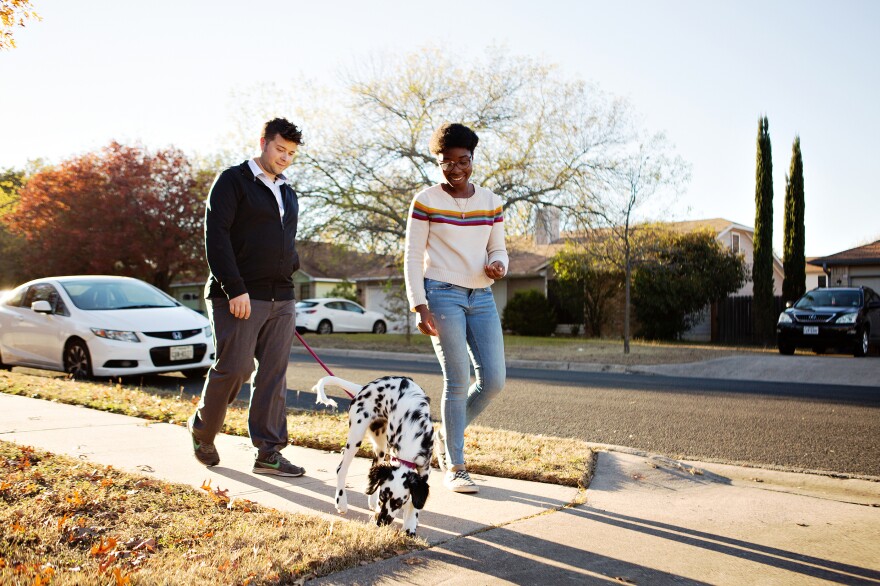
(332, 314)
(102, 326)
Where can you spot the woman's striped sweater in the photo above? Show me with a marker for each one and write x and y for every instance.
(452, 242)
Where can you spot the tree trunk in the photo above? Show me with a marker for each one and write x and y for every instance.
(627, 274)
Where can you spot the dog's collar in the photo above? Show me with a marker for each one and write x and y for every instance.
(406, 463)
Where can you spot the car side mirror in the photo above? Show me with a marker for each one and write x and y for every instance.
(41, 307)
(788, 304)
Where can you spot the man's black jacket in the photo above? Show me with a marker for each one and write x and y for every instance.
(250, 248)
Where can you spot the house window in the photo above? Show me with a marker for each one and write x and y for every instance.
(734, 243)
(823, 281)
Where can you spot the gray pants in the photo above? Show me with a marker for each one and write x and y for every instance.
(266, 338)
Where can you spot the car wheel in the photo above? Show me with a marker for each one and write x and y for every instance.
(819, 349)
(325, 327)
(786, 349)
(195, 373)
(379, 327)
(861, 347)
(77, 360)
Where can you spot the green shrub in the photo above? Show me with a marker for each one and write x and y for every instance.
(529, 313)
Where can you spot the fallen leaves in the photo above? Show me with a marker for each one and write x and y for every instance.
(103, 547)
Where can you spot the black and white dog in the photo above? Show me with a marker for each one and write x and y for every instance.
(394, 413)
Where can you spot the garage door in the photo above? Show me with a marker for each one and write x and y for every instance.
(872, 282)
(376, 299)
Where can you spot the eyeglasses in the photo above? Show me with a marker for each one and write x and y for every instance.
(450, 165)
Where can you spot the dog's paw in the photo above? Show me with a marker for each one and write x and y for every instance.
(342, 503)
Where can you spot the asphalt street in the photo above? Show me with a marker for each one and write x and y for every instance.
(831, 428)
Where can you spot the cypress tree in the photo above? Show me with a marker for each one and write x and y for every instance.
(764, 304)
(794, 285)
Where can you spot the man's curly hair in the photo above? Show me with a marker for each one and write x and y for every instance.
(287, 130)
(453, 135)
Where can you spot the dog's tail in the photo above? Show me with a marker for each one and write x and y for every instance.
(333, 380)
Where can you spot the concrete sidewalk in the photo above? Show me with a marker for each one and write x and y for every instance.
(647, 519)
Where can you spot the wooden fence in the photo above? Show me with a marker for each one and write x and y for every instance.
(733, 322)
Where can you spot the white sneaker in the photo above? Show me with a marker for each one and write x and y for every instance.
(440, 450)
(460, 481)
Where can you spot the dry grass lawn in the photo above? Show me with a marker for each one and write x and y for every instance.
(598, 351)
(490, 451)
(66, 521)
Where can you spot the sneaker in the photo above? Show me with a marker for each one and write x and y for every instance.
(277, 465)
(440, 450)
(204, 452)
(460, 481)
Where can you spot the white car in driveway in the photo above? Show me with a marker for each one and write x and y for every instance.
(333, 314)
(92, 325)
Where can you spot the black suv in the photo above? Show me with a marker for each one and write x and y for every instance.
(846, 318)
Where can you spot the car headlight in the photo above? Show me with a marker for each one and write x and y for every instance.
(207, 332)
(848, 318)
(116, 335)
(784, 318)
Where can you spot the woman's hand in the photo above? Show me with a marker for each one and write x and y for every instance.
(495, 270)
(426, 320)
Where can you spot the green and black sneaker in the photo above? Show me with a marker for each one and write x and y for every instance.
(204, 452)
(276, 465)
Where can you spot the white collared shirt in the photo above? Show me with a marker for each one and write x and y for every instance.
(275, 186)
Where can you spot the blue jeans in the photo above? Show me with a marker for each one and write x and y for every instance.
(469, 330)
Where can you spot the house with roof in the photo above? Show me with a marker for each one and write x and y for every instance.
(852, 268)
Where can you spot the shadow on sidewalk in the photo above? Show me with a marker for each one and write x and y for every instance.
(778, 558)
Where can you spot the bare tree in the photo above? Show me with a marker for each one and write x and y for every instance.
(366, 141)
(615, 210)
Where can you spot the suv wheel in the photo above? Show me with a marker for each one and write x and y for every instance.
(862, 344)
(787, 349)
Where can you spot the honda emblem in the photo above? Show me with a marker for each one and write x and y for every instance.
(177, 335)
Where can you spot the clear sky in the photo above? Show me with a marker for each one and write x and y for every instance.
(161, 72)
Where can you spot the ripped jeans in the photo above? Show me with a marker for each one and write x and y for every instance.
(469, 331)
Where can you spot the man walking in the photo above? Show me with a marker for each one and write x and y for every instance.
(250, 227)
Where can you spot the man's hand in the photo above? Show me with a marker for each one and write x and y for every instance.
(240, 306)
(426, 321)
(495, 270)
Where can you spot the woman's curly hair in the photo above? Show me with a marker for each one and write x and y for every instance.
(453, 135)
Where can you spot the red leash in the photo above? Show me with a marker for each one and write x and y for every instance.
(315, 356)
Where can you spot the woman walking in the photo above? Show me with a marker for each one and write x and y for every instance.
(454, 252)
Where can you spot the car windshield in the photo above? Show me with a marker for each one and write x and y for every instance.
(829, 298)
(306, 304)
(102, 295)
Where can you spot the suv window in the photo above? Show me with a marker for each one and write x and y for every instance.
(830, 298)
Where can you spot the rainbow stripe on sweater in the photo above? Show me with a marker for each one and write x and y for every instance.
(471, 218)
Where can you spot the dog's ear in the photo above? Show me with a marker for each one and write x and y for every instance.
(418, 489)
(379, 473)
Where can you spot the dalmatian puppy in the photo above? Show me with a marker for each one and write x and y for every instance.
(393, 412)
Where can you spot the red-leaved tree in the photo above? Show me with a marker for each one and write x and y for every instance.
(120, 211)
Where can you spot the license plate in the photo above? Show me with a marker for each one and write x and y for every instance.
(811, 330)
(181, 353)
